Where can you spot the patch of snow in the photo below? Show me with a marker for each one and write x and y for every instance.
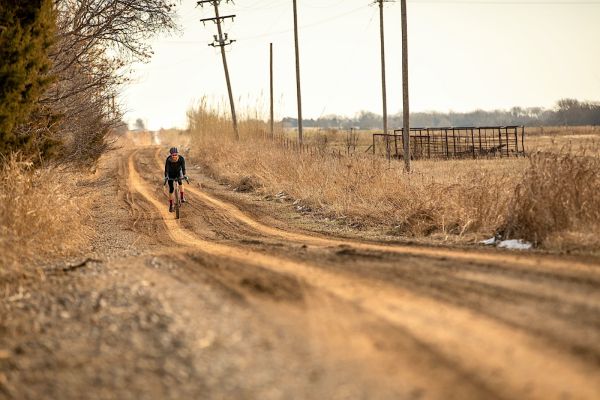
(489, 242)
(515, 244)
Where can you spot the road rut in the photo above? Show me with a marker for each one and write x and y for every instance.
(507, 361)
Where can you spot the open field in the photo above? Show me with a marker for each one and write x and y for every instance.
(544, 198)
(536, 138)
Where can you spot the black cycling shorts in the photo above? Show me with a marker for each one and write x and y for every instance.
(171, 185)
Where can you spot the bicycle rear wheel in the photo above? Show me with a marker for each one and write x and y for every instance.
(177, 200)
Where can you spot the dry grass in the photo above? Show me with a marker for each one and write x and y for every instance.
(366, 189)
(548, 198)
(39, 217)
(558, 139)
(558, 199)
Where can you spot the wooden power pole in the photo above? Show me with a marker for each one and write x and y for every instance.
(405, 102)
(298, 91)
(383, 84)
(222, 40)
(271, 90)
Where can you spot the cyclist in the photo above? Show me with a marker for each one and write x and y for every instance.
(175, 170)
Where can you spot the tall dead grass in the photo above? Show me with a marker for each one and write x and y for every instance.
(39, 217)
(539, 199)
(363, 188)
(558, 200)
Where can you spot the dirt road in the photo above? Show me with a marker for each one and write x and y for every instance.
(233, 301)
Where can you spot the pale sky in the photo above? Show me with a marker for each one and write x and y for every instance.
(463, 55)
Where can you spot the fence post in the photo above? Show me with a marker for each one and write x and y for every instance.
(453, 143)
(373, 144)
(446, 140)
(473, 142)
(428, 144)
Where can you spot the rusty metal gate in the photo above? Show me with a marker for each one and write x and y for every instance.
(454, 142)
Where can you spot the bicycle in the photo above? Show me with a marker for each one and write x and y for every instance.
(177, 196)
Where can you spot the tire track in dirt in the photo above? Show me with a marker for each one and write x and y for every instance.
(565, 291)
(522, 261)
(559, 282)
(509, 361)
(144, 220)
(210, 224)
(564, 305)
(565, 320)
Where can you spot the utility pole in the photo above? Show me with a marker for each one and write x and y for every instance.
(298, 75)
(405, 107)
(271, 90)
(222, 40)
(383, 84)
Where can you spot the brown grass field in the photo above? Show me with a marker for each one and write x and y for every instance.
(43, 216)
(548, 198)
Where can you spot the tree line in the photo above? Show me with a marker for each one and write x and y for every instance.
(567, 112)
(62, 64)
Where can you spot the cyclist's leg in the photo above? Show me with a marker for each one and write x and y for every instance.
(171, 190)
(181, 191)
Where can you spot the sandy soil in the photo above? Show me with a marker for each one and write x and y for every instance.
(242, 298)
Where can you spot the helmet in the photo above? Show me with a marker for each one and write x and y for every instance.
(173, 150)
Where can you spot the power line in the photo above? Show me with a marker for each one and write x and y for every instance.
(320, 22)
(508, 2)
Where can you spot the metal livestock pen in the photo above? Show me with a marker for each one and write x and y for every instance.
(454, 142)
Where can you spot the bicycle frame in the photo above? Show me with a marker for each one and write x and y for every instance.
(176, 192)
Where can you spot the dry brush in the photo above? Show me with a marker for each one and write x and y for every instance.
(43, 216)
(549, 198)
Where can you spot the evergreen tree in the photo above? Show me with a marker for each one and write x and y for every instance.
(26, 32)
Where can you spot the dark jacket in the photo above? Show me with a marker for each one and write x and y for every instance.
(175, 169)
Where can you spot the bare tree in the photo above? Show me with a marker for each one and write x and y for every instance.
(95, 43)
